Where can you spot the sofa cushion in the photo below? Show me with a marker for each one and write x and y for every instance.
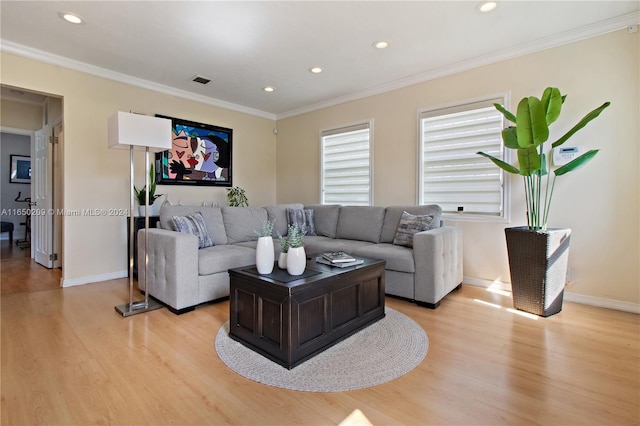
(278, 213)
(315, 245)
(393, 214)
(398, 258)
(362, 223)
(303, 219)
(212, 218)
(194, 224)
(411, 224)
(325, 218)
(242, 222)
(217, 259)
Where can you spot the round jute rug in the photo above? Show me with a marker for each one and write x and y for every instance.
(377, 354)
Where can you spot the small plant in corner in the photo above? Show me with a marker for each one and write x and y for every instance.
(237, 197)
(296, 236)
(142, 192)
(267, 229)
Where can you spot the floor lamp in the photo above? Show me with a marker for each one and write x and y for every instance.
(151, 134)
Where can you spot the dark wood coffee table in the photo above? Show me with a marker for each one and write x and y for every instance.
(291, 319)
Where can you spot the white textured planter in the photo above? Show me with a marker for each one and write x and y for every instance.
(282, 261)
(296, 260)
(265, 255)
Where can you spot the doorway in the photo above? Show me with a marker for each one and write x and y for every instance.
(39, 116)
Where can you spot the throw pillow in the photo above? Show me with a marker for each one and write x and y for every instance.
(409, 225)
(194, 224)
(303, 219)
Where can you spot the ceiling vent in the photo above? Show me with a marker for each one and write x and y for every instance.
(201, 80)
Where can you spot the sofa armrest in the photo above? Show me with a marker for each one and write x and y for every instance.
(172, 269)
(438, 259)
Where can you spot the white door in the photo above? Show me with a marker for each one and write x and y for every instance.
(42, 187)
(57, 194)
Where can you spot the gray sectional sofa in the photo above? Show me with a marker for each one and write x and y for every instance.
(183, 276)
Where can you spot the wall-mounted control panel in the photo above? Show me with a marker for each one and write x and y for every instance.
(564, 154)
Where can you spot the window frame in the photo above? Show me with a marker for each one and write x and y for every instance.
(344, 128)
(503, 98)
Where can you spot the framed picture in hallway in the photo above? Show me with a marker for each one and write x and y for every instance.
(201, 154)
(20, 169)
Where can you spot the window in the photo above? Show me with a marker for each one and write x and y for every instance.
(451, 174)
(346, 165)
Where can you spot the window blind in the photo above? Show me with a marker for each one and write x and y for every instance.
(452, 174)
(346, 165)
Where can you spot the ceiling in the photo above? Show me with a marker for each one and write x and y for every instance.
(245, 46)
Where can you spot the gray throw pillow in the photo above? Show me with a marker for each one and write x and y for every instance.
(409, 225)
(194, 224)
(303, 219)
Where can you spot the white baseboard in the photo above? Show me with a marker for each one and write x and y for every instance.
(479, 282)
(93, 278)
(602, 303)
(599, 302)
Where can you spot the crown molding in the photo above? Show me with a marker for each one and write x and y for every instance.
(556, 40)
(49, 58)
(549, 42)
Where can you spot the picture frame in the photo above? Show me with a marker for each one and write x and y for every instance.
(201, 154)
(20, 169)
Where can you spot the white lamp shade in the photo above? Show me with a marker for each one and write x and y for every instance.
(140, 131)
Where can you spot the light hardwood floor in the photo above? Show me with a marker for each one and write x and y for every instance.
(68, 358)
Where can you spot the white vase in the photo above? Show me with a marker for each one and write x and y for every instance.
(265, 255)
(152, 210)
(282, 261)
(296, 260)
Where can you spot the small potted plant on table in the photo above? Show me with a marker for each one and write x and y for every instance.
(296, 256)
(264, 249)
(284, 245)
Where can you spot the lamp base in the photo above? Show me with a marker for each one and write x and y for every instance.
(138, 307)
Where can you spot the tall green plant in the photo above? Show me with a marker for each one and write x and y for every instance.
(527, 137)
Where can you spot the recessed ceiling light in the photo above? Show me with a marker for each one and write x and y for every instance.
(268, 89)
(486, 6)
(315, 70)
(71, 17)
(381, 44)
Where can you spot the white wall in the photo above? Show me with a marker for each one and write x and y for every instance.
(20, 115)
(96, 177)
(600, 202)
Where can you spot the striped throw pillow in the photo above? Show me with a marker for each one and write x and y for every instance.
(194, 224)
